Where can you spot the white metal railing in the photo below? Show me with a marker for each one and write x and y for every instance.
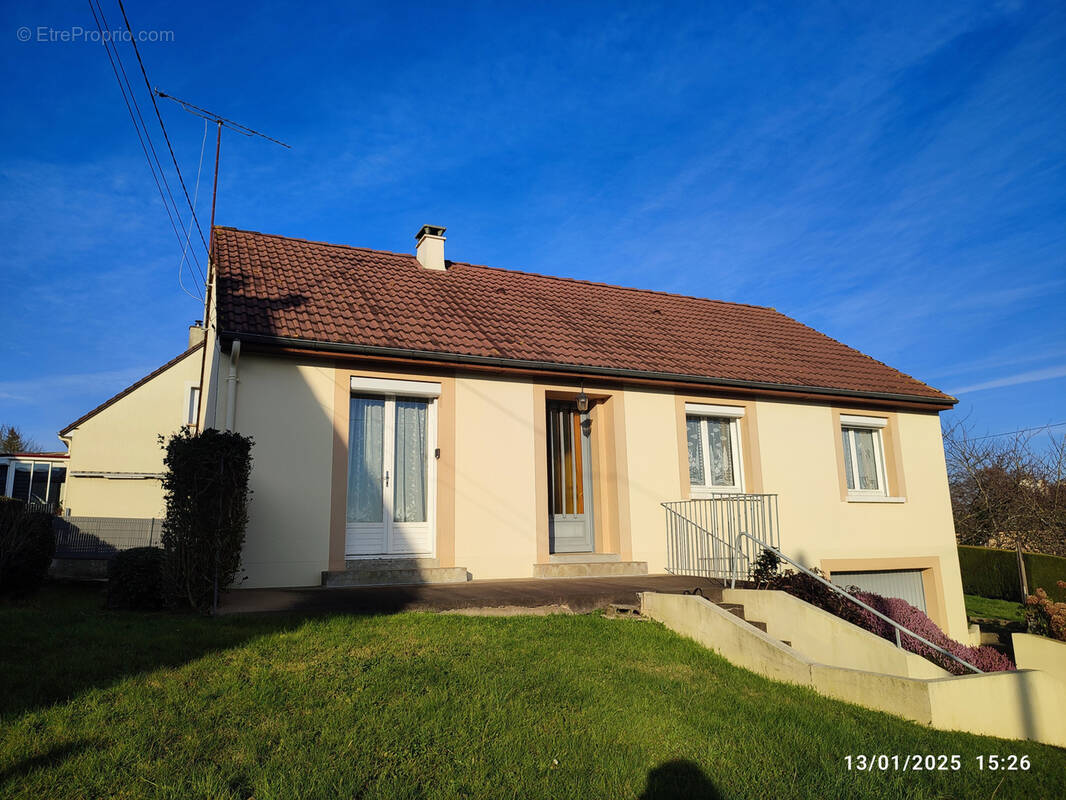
(701, 533)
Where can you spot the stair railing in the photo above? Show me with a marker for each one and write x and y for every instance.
(833, 587)
(701, 533)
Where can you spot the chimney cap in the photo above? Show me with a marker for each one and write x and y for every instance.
(430, 230)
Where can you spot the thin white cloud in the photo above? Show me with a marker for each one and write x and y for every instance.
(1015, 380)
(34, 389)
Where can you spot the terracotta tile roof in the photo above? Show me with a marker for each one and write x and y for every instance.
(273, 286)
(130, 388)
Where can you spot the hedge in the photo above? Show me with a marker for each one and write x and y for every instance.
(135, 579)
(990, 572)
(27, 546)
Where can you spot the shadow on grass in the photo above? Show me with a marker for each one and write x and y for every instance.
(63, 642)
(675, 780)
(52, 758)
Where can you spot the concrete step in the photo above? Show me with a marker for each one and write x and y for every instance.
(738, 611)
(590, 569)
(392, 562)
(577, 558)
(370, 574)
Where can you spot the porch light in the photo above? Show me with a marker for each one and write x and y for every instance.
(582, 401)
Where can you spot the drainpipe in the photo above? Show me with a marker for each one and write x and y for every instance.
(231, 384)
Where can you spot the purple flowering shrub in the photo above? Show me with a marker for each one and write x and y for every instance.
(986, 659)
(806, 588)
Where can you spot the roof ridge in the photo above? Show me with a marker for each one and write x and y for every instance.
(316, 242)
(509, 270)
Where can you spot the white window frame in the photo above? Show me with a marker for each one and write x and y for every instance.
(191, 387)
(733, 414)
(875, 425)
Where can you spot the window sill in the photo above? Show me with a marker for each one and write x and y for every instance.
(858, 498)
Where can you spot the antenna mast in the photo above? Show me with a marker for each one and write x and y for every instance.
(220, 123)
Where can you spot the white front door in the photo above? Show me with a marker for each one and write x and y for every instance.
(391, 476)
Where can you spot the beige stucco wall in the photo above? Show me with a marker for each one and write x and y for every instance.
(495, 487)
(124, 438)
(1040, 652)
(652, 473)
(496, 466)
(287, 407)
(799, 447)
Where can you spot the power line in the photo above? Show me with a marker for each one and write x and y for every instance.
(188, 228)
(131, 99)
(1015, 433)
(155, 105)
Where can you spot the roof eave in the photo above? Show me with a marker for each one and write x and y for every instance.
(934, 403)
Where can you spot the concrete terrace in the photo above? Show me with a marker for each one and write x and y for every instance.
(576, 594)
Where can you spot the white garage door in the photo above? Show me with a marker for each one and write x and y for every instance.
(905, 584)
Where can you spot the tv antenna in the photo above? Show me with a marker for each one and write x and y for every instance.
(220, 123)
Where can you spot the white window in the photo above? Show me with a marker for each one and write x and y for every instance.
(713, 434)
(864, 455)
(192, 403)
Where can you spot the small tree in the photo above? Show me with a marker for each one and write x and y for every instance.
(13, 440)
(1006, 492)
(206, 485)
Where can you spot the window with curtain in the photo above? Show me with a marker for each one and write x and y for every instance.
(864, 466)
(713, 453)
(409, 498)
(366, 421)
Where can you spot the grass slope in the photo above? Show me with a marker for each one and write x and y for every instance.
(990, 608)
(107, 704)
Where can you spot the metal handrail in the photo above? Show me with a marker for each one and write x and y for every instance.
(720, 540)
(700, 531)
(858, 602)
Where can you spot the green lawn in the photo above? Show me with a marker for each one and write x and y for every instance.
(990, 608)
(129, 705)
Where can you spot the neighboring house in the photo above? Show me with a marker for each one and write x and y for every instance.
(116, 459)
(512, 425)
(35, 478)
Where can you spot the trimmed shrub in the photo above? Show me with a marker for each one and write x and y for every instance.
(135, 579)
(818, 594)
(989, 572)
(1045, 617)
(206, 486)
(27, 546)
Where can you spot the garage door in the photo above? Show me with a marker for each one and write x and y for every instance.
(905, 584)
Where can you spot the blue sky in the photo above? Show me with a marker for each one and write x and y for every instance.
(892, 174)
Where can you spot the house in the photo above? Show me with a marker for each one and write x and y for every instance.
(492, 423)
(116, 460)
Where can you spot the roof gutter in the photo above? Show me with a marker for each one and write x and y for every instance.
(458, 359)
